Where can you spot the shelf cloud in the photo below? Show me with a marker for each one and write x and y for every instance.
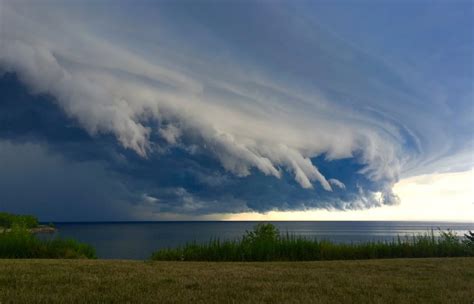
(204, 108)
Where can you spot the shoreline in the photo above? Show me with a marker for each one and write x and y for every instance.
(43, 229)
(39, 229)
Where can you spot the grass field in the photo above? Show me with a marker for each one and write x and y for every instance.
(434, 280)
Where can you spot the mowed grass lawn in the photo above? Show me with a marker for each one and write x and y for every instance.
(434, 280)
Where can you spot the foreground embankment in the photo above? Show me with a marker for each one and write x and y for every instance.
(433, 280)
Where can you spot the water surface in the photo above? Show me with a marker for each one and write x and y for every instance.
(137, 240)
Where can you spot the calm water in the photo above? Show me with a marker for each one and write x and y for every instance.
(137, 240)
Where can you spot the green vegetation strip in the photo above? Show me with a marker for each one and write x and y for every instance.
(265, 243)
(20, 243)
(436, 280)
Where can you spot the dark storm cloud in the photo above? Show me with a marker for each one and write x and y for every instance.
(51, 167)
(202, 108)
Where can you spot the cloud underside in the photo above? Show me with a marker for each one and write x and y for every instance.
(185, 133)
(50, 162)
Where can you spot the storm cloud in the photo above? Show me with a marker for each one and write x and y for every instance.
(207, 108)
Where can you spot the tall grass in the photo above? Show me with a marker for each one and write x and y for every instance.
(19, 243)
(265, 243)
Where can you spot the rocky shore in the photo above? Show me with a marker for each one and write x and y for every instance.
(39, 229)
(43, 229)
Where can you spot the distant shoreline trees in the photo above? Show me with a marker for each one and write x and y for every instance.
(8, 220)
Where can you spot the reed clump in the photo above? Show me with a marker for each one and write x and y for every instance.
(265, 243)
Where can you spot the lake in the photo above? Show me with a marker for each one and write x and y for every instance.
(137, 240)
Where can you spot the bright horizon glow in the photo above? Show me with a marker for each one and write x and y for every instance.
(423, 198)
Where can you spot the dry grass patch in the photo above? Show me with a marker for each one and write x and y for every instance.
(437, 280)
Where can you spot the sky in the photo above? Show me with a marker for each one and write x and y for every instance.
(237, 110)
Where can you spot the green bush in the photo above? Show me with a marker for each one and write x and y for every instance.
(7, 220)
(19, 243)
(469, 238)
(265, 243)
(262, 232)
(469, 241)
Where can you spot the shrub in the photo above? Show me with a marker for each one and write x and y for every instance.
(7, 220)
(469, 241)
(262, 232)
(19, 243)
(469, 237)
